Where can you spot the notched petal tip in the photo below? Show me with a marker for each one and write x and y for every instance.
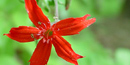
(94, 19)
(87, 15)
(24, 33)
(82, 56)
(72, 26)
(83, 18)
(4, 34)
(64, 50)
(79, 56)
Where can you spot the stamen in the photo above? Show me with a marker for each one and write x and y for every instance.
(32, 35)
(51, 39)
(58, 29)
(44, 40)
(39, 23)
(48, 40)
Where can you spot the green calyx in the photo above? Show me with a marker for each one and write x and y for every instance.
(48, 33)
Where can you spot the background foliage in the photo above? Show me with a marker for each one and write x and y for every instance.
(106, 42)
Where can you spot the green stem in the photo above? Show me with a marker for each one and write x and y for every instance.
(56, 11)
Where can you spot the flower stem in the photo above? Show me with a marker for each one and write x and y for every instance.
(56, 11)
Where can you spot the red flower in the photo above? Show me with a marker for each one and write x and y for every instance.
(49, 34)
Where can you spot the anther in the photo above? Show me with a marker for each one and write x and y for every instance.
(39, 23)
(32, 35)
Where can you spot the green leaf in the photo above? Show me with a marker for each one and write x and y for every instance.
(51, 2)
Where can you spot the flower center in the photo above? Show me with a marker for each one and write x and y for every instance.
(48, 33)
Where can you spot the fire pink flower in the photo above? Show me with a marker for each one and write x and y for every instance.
(49, 34)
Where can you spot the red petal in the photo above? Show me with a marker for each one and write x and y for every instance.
(72, 26)
(24, 33)
(64, 50)
(41, 53)
(36, 15)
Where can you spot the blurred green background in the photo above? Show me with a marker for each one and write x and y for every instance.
(106, 42)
